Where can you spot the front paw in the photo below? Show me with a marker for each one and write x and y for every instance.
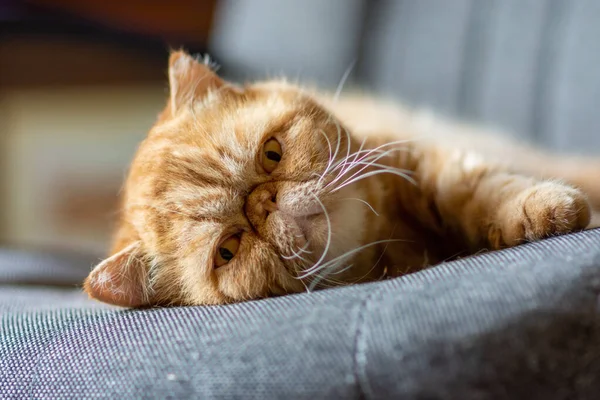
(543, 210)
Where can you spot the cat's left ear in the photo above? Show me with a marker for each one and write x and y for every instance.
(189, 79)
(121, 279)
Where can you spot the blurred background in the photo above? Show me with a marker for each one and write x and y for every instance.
(81, 82)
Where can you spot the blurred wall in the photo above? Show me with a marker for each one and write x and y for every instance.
(308, 40)
(66, 154)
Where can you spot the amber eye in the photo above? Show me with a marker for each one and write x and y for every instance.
(271, 155)
(227, 250)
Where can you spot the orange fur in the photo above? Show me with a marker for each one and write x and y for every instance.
(364, 188)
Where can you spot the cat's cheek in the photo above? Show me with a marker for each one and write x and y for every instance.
(251, 276)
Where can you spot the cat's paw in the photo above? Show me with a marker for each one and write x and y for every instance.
(544, 210)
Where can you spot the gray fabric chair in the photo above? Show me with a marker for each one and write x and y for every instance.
(516, 324)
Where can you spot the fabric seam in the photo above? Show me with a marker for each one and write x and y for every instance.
(358, 337)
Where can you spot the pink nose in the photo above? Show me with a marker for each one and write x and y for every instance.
(261, 202)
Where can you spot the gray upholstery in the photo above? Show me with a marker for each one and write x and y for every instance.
(18, 267)
(526, 66)
(516, 324)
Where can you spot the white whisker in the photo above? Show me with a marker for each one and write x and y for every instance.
(314, 270)
(378, 260)
(358, 163)
(377, 172)
(340, 86)
(381, 168)
(303, 250)
(344, 161)
(328, 243)
(329, 162)
(293, 256)
(375, 154)
(364, 202)
(325, 278)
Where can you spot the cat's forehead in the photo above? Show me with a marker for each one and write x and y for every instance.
(234, 120)
(229, 130)
(257, 115)
(216, 143)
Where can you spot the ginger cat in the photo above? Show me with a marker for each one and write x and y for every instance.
(244, 192)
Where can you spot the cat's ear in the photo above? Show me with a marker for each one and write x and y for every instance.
(189, 79)
(121, 279)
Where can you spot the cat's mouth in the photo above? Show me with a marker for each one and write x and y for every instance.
(309, 224)
(315, 228)
(305, 223)
(306, 218)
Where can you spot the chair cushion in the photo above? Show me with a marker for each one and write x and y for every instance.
(519, 323)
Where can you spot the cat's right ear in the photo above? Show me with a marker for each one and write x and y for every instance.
(121, 279)
(189, 79)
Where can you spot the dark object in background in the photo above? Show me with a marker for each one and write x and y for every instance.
(176, 22)
(96, 42)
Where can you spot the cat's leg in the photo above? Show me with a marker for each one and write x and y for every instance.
(491, 207)
(582, 172)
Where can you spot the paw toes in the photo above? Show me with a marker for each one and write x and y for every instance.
(545, 210)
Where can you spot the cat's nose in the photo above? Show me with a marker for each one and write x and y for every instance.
(261, 202)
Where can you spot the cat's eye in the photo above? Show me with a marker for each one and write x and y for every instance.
(227, 250)
(271, 156)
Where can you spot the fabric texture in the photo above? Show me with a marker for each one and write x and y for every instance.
(516, 324)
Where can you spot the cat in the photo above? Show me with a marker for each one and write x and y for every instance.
(246, 192)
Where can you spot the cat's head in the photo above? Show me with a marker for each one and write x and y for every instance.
(237, 193)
